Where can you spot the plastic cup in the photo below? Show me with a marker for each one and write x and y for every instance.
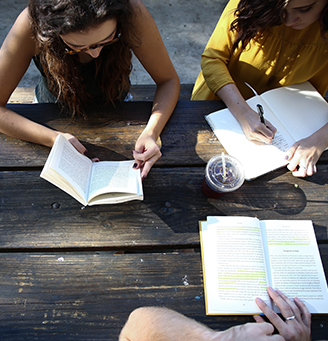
(223, 174)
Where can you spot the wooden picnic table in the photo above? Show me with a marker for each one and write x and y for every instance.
(59, 276)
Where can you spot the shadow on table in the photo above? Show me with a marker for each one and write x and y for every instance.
(182, 208)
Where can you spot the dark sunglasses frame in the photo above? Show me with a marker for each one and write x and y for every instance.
(70, 51)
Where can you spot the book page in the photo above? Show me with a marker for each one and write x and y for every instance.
(299, 107)
(73, 167)
(113, 177)
(295, 261)
(257, 159)
(234, 265)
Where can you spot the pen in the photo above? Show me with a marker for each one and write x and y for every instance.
(261, 112)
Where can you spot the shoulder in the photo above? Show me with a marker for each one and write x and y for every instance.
(228, 15)
(229, 10)
(140, 11)
(21, 34)
(24, 20)
(137, 5)
(143, 21)
(22, 27)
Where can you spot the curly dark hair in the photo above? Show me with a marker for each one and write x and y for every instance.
(324, 20)
(254, 16)
(52, 18)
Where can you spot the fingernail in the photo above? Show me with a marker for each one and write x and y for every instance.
(135, 165)
(286, 157)
(143, 178)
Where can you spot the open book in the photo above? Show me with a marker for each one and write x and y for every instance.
(242, 256)
(297, 111)
(91, 183)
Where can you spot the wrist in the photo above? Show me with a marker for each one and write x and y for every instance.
(321, 139)
(149, 132)
(218, 336)
(226, 335)
(52, 137)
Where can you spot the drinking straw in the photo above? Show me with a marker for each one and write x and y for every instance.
(224, 165)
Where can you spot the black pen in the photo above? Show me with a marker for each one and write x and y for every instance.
(261, 113)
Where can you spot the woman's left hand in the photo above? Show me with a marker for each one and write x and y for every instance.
(297, 323)
(303, 156)
(146, 153)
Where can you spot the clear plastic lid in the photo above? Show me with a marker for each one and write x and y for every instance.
(224, 173)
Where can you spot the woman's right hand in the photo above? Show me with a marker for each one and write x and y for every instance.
(254, 129)
(249, 120)
(75, 143)
(78, 145)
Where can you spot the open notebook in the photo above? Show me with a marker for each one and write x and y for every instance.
(297, 111)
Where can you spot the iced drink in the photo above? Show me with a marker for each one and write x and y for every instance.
(223, 174)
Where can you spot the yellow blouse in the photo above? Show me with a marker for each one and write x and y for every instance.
(292, 56)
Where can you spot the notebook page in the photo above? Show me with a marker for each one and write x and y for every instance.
(299, 107)
(257, 159)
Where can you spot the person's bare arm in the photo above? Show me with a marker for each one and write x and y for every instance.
(247, 118)
(161, 324)
(153, 56)
(16, 54)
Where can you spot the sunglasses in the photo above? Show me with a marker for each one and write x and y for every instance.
(68, 50)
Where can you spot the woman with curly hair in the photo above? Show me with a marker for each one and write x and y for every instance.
(268, 44)
(83, 49)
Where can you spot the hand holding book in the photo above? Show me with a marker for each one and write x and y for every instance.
(295, 323)
(242, 256)
(91, 183)
(150, 323)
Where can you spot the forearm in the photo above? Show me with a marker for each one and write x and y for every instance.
(233, 99)
(165, 100)
(17, 126)
(321, 138)
(161, 324)
(248, 119)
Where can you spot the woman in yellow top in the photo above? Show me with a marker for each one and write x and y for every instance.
(268, 44)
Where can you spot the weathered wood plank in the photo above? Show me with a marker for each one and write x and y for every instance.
(58, 296)
(140, 92)
(22, 94)
(186, 140)
(168, 216)
(146, 92)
